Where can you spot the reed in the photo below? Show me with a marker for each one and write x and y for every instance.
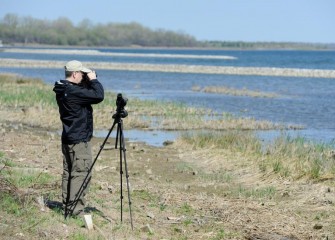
(287, 157)
(235, 140)
(24, 92)
(235, 91)
(298, 157)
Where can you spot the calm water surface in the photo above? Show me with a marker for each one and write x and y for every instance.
(303, 101)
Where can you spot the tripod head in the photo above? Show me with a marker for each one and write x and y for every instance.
(121, 102)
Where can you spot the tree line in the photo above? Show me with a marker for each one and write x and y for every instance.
(62, 32)
(28, 30)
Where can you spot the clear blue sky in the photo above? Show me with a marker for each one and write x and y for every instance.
(225, 20)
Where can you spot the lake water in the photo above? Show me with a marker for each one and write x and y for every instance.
(303, 101)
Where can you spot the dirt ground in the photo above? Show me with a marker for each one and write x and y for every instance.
(177, 192)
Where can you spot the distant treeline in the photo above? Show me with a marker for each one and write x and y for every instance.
(62, 32)
(268, 45)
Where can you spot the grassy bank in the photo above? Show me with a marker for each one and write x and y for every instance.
(206, 185)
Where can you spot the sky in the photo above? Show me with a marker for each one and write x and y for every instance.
(223, 20)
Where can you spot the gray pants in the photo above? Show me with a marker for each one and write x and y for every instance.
(77, 160)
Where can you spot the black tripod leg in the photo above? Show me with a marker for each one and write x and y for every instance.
(123, 151)
(118, 138)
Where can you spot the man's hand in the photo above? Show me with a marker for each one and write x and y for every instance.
(92, 75)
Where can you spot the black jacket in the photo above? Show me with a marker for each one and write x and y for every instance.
(74, 102)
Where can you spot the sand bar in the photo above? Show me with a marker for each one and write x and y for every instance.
(258, 71)
(115, 54)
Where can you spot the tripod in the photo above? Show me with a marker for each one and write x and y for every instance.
(120, 113)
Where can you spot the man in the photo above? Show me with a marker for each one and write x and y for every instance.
(74, 100)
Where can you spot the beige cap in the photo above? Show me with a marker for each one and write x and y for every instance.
(76, 66)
